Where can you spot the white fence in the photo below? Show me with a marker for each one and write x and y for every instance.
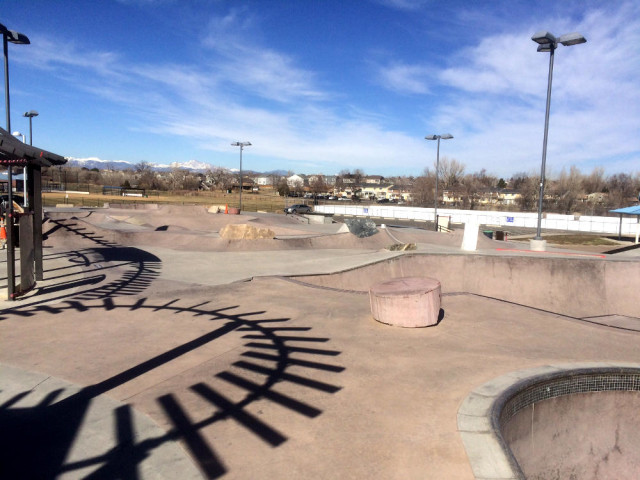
(551, 221)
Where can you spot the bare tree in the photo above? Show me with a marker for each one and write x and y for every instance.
(483, 180)
(424, 189)
(145, 176)
(527, 186)
(283, 187)
(450, 172)
(219, 178)
(567, 190)
(112, 177)
(471, 186)
(176, 178)
(622, 189)
(87, 176)
(318, 185)
(595, 182)
(358, 175)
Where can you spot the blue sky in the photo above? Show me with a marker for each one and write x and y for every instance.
(326, 85)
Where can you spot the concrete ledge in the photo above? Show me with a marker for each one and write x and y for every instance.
(575, 286)
(480, 412)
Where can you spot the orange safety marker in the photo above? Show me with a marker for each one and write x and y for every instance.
(3, 233)
(226, 208)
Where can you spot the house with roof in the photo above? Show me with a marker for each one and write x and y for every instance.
(452, 196)
(508, 196)
(330, 179)
(295, 181)
(377, 191)
(348, 179)
(264, 180)
(373, 179)
(400, 193)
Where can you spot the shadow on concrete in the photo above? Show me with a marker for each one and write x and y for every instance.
(132, 269)
(35, 441)
(71, 227)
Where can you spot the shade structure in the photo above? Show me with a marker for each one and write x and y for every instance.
(14, 153)
(634, 210)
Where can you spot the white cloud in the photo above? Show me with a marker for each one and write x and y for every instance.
(402, 78)
(48, 53)
(262, 71)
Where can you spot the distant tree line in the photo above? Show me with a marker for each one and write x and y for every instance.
(571, 191)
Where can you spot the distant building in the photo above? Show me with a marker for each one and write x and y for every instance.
(348, 179)
(264, 180)
(295, 181)
(508, 196)
(375, 179)
(377, 191)
(315, 178)
(330, 179)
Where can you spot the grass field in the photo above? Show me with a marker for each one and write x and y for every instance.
(250, 202)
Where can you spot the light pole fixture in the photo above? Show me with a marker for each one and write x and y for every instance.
(19, 134)
(547, 42)
(19, 39)
(30, 114)
(241, 145)
(445, 136)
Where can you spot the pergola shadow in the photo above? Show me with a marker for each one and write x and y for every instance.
(36, 440)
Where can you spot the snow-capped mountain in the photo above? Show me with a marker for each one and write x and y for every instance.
(190, 165)
(94, 162)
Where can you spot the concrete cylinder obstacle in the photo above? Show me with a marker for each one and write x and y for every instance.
(406, 301)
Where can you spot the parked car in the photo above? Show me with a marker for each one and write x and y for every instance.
(298, 209)
(383, 200)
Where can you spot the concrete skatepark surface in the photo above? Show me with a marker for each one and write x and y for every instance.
(549, 440)
(224, 358)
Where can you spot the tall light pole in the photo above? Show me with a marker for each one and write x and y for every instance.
(241, 145)
(445, 136)
(30, 114)
(547, 42)
(19, 39)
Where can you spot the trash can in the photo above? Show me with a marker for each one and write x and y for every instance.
(500, 235)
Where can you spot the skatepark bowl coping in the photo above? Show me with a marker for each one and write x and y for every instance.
(565, 421)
